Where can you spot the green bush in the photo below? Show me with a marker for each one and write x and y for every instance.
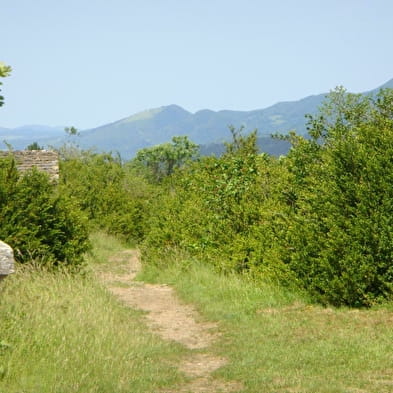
(340, 239)
(113, 197)
(37, 221)
(222, 211)
(320, 218)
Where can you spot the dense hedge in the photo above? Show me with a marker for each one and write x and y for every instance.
(321, 218)
(341, 236)
(37, 221)
(112, 195)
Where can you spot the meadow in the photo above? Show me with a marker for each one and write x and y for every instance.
(63, 332)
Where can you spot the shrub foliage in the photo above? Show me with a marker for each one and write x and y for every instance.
(114, 197)
(37, 221)
(320, 218)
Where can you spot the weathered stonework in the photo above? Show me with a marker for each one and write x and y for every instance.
(6, 260)
(44, 160)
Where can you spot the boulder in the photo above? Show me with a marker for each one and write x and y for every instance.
(6, 260)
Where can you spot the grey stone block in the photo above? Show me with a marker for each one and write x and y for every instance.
(6, 259)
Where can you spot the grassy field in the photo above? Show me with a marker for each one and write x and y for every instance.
(61, 333)
(66, 334)
(277, 341)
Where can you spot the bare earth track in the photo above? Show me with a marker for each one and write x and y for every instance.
(172, 320)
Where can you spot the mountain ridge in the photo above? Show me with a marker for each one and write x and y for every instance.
(157, 125)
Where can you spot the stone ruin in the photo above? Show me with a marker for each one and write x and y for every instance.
(44, 160)
(6, 260)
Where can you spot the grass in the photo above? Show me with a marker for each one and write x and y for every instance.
(63, 333)
(277, 341)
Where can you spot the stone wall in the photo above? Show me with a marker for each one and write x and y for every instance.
(6, 260)
(43, 160)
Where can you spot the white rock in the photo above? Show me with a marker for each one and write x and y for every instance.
(6, 259)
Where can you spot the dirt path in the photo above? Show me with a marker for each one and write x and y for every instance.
(172, 320)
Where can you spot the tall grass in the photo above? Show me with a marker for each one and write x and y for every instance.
(277, 341)
(63, 333)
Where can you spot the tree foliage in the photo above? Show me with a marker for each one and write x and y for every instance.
(4, 72)
(161, 160)
(110, 194)
(217, 209)
(34, 146)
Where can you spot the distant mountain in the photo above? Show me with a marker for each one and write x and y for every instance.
(387, 85)
(21, 137)
(205, 127)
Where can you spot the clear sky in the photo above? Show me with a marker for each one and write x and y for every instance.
(90, 62)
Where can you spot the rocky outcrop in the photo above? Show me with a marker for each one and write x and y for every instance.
(6, 260)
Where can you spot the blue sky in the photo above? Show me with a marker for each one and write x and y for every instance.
(91, 62)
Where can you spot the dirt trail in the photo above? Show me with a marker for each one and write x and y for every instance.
(172, 320)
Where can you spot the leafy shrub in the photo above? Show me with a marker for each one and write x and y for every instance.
(341, 235)
(39, 222)
(320, 218)
(160, 161)
(112, 197)
(221, 210)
